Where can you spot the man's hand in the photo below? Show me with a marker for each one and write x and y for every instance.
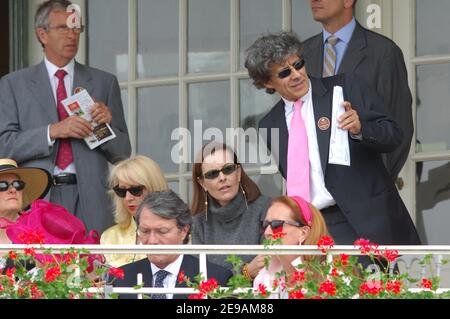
(71, 127)
(101, 114)
(256, 265)
(349, 121)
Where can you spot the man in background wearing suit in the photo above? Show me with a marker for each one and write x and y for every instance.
(358, 198)
(35, 129)
(164, 219)
(373, 57)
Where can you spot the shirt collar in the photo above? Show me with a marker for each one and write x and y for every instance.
(173, 268)
(51, 68)
(289, 105)
(344, 34)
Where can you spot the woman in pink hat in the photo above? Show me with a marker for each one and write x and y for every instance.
(130, 181)
(296, 222)
(18, 188)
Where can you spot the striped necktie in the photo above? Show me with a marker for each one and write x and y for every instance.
(329, 56)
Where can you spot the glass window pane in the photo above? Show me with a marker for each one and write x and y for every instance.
(269, 185)
(175, 186)
(157, 117)
(254, 23)
(432, 17)
(433, 202)
(303, 22)
(209, 36)
(108, 38)
(157, 51)
(209, 104)
(254, 105)
(433, 112)
(124, 94)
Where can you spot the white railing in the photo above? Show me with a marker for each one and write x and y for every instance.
(204, 250)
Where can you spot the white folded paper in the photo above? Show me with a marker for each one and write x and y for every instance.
(339, 147)
(80, 104)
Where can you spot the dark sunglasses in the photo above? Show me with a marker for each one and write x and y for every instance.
(18, 185)
(276, 224)
(226, 170)
(122, 192)
(298, 65)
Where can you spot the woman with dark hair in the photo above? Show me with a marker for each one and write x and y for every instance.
(227, 205)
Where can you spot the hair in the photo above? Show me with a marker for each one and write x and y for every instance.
(167, 205)
(139, 170)
(43, 12)
(354, 4)
(198, 198)
(269, 50)
(318, 227)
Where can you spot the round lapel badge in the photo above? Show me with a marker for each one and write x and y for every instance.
(78, 90)
(324, 123)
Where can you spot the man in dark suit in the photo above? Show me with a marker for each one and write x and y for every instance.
(373, 57)
(36, 132)
(164, 219)
(358, 199)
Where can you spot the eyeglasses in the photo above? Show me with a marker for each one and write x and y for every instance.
(226, 170)
(122, 192)
(298, 65)
(276, 224)
(18, 185)
(64, 29)
(161, 232)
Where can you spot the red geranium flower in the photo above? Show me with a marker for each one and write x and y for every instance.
(116, 272)
(297, 294)
(52, 274)
(328, 287)
(325, 243)
(181, 276)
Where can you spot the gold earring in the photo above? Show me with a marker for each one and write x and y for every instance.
(243, 193)
(206, 204)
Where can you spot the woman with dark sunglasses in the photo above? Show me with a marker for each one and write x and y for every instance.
(19, 186)
(227, 205)
(299, 223)
(130, 180)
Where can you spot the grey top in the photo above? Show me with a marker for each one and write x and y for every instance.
(232, 224)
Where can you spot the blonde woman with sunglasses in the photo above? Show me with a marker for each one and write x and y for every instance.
(130, 181)
(227, 205)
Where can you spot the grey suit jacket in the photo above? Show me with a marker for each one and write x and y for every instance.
(27, 107)
(378, 61)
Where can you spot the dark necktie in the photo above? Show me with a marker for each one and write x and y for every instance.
(160, 276)
(64, 156)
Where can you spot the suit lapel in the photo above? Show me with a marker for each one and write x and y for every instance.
(314, 61)
(355, 53)
(41, 88)
(82, 79)
(322, 103)
(279, 121)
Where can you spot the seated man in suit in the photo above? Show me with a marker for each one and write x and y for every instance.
(164, 219)
(355, 193)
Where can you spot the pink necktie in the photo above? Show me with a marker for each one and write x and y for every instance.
(298, 156)
(64, 156)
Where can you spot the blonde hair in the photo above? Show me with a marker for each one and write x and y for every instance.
(139, 170)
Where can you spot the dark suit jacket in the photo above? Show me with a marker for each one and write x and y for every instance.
(364, 191)
(27, 107)
(190, 267)
(379, 61)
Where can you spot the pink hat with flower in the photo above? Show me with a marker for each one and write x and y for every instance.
(51, 223)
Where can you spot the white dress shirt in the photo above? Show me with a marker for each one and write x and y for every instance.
(68, 83)
(320, 197)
